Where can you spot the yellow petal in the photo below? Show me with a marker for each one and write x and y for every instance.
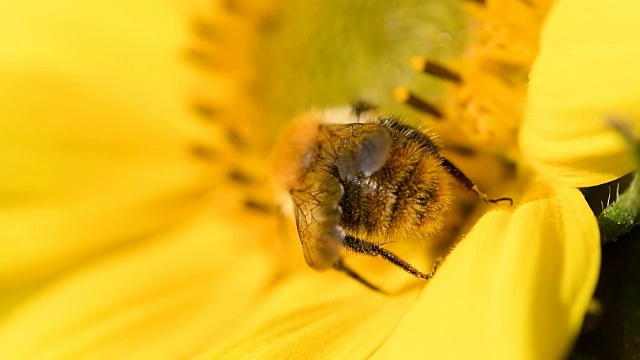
(131, 49)
(163, 300)
(94, 132)
(587, 72)
(515, 288)
(315, 316)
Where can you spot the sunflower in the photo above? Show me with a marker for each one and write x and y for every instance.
(144, 228)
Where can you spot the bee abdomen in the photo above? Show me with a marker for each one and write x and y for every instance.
(422, 201)
(407, 197)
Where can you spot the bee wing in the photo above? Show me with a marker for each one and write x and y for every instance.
(359, 148)
(318, 219)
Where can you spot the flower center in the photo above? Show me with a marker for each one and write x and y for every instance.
(485, 86)
(222, 50)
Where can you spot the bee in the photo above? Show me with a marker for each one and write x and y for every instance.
(355, 180)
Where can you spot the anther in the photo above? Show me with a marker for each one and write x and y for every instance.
(238, 176)
(421, 64)
(231, 5)
(235, 139)
(405, 96)
(205, 30)
(257, 206)
(205, 111)
(202, 152)
(200, 58)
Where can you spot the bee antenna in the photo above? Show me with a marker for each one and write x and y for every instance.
(360, 106)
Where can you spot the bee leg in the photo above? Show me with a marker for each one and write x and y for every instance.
(436, 264)
(341, 266)
(461, 178)
(366, 248)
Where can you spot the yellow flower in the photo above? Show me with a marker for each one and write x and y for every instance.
(118, 241)
(567, 135)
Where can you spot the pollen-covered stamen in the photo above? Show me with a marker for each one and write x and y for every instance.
(405, 96)
(209, 113)
(200, 58)
(422, 64)
(203, 152)
(204, 111)
(205, 30)
(490, 77)
(258, 206)
(236, 139)
(232, 6)
(240, 177)
(231, 151)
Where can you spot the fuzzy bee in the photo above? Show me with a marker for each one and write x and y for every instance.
(355, 180)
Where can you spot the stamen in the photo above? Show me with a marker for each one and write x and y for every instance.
(209, 113)
(203, 152)
(235, 139)
(200, 58)
(238, 176)
(421, 64)
(205, 31)
(205, 111)
(231, 5)
(481, 2)
(405, 96)
(461, 150)
(257, 206)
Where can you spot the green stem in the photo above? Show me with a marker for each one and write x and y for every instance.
(621, 216)
(624, 214)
